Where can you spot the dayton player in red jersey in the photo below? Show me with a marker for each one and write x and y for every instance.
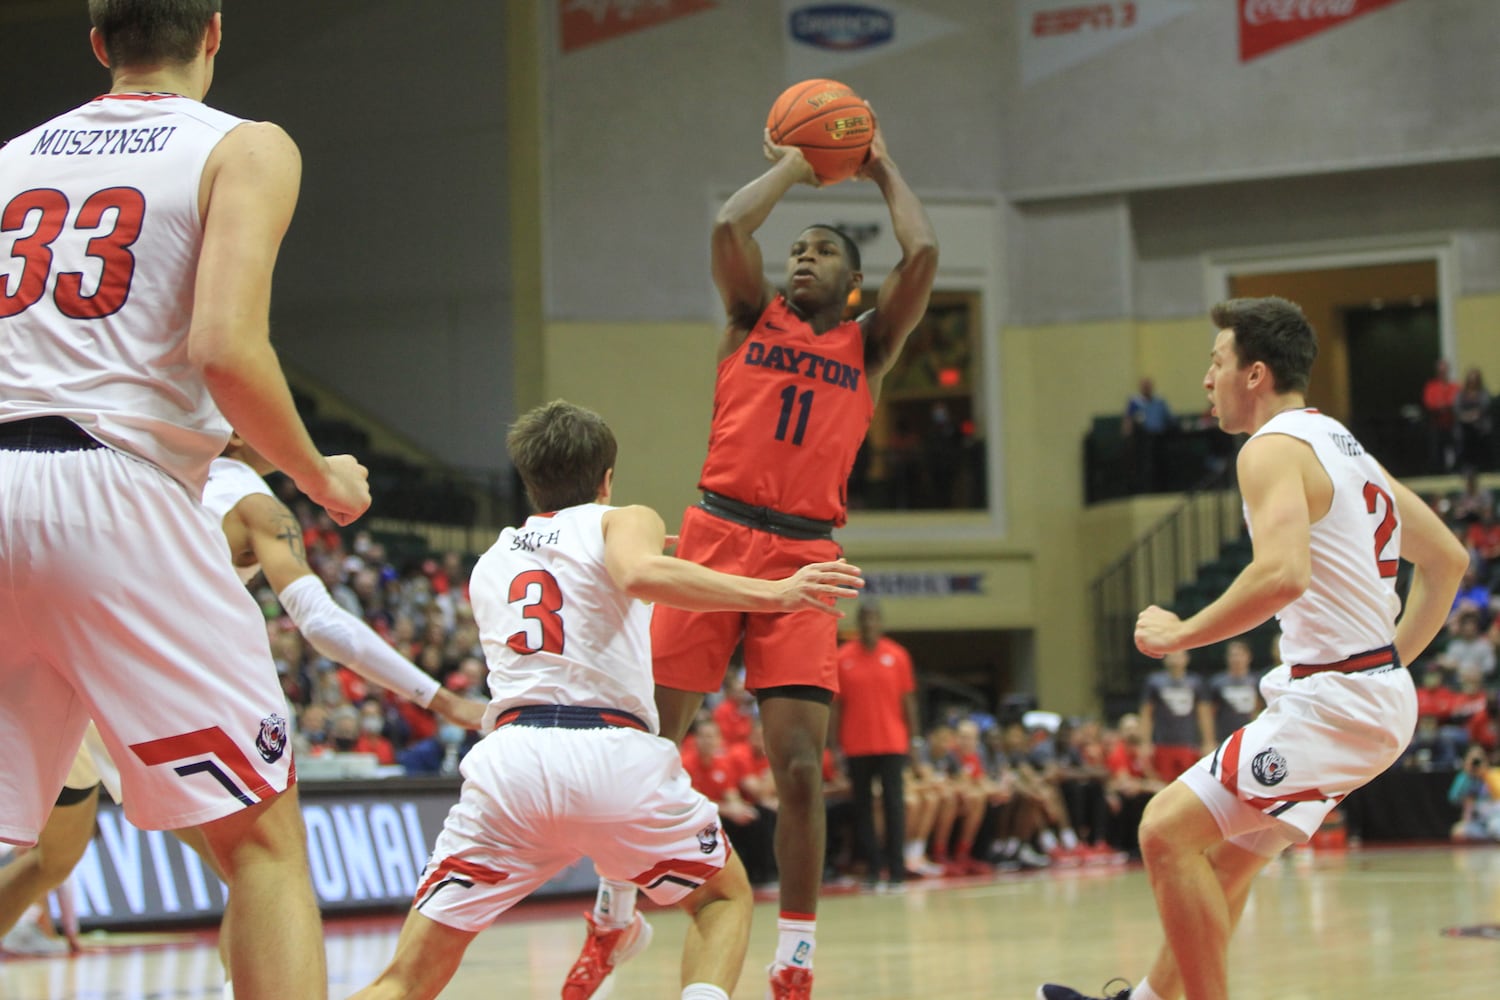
(794, 395)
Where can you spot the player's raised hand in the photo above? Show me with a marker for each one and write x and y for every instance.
(819, 585)
(344, 491)
(776, 153)
(875, 159)
(1157, 632)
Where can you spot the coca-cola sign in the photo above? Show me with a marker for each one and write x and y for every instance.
(1267, 25)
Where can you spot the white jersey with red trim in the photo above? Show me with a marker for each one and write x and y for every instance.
(1350, 605)
(99, 240)
(555, 627)
(229, 482)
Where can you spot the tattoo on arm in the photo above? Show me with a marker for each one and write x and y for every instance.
(289, 531)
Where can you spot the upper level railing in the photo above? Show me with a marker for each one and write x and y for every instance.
(1167, 556)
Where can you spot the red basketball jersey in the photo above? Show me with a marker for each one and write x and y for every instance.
(791, 408)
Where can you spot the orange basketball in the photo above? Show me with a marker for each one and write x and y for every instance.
(830, 123)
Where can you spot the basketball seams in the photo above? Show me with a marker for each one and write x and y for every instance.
(796, 99)
(836, 111)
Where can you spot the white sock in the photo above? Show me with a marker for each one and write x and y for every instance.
(1048, 841)
(228, 990)
(614, 907)
(915, 849)
(703, 991)
(1144, 992)
(795, 943)
(1069, 838)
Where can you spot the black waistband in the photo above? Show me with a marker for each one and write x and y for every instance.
(569, 717)
(1373, 661)
(45, 434)
(803, 529)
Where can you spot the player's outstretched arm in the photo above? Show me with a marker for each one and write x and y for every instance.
(738, 269)
(250, 191)
(276, 539)
(633, 539)
(903, 295)
(1438, 561)
(1271, 475)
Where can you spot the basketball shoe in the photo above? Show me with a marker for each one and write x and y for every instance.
(593, 974)
(789, 983)
(1051, 991)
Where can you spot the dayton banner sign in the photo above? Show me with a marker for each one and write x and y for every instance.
(1267, 25)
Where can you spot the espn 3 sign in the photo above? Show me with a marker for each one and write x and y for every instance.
(1267, 25)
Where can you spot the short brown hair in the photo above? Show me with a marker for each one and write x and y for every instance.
(562, 452)
(1274, 332)
(151, 32)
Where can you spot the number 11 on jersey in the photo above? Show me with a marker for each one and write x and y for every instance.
(790, 399)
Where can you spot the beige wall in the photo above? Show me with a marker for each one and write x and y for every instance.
(1477, 321)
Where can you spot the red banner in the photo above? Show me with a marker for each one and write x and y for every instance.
(587, 22)
(1267, 25)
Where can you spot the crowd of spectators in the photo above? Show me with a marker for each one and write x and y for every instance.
(420, 607)
(1457, 678)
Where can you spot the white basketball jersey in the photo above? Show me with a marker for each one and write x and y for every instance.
(556, 630)
(1350, 605)
(99, 241)
(229, 482)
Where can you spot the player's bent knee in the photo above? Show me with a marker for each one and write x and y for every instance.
(730, 884)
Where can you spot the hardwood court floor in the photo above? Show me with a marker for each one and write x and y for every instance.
(1320, 926)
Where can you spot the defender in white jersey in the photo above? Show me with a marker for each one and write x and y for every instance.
(575, 766)
(1329, 528)
(138, 234)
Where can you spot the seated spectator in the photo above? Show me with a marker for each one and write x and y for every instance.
(1483, 541)
(1081, 772)
(1473, 500)
(1132, 782)
(1471, 418)
(1436, 743)
(1484, 725)
(372, 737)
(1054, 828)
(959, 804)
(1473, 598)
(716, 773)
(1476, 791)
(312, 736)
(1469, 652)
(736, 713)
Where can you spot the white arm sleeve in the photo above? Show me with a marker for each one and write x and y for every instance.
(345, 639)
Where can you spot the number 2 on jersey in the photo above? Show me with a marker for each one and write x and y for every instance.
(803, 405)
(541, 599)
(112, 247)
(1385, 530)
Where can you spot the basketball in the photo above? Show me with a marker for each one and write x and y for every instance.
(829, 122)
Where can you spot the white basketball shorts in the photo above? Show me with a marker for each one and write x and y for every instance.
(118, 603)
(536, 800)
(1319, 739)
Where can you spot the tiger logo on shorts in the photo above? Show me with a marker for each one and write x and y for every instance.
(272, 739)
(1269, 767)
(708, 839)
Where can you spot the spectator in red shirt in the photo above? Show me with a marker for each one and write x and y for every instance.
(372, 733)
(875, 718)
(716, 773)
(1436, 742)
(736, 712)
(1438, 396)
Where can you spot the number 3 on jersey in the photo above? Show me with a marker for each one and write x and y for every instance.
(121, 209)
(539, 599)
(1374, 497)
